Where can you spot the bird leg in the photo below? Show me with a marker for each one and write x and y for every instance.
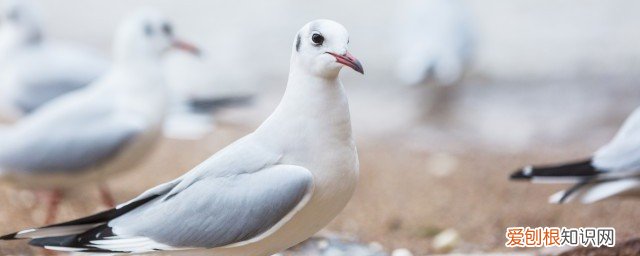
(53, 201)
(105, 195)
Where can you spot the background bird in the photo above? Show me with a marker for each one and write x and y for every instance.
(92, 133)
(613, 170)
(35, 69)
(198, 94)
(262, 194)
(435, 42)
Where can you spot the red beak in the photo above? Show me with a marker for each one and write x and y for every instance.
(348, 60)
(182, 45)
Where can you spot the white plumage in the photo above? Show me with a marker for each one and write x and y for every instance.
(434, 41)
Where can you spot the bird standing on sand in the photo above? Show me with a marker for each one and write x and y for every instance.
(260, 195)
(89, 134)
(34, 69)
(613, 170)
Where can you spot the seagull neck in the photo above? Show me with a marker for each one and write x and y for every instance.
(314, 104)
(137, 61)
(139, 88)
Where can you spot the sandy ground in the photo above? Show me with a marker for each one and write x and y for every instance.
(418, 177)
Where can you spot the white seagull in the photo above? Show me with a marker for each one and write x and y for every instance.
(34, 69)
(436, 42)
(260, 195)
(613, 170)
(107, 127)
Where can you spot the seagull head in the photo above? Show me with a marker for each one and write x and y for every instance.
(148, 34)
(320, 48)
(20, 22)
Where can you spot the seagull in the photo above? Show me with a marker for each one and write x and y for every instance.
(436, 42)
(33, 69)
(613, 170)
(263, 193)
(107, 127)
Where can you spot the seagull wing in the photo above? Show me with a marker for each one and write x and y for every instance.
(223, 211)
(51, 71)
(67, 138)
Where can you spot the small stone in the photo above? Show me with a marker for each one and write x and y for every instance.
(401, 252)
(446, 241)
(375, 246)
(441, 164)
(323, 244)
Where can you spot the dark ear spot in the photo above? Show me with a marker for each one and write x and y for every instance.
(298, 43)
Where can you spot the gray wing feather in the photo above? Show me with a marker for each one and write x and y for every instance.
(52, 70)
(33, 96)
(66, 147)
(220, 211)
(253, 157)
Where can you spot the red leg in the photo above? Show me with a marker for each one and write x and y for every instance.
(53, 197)
(105, 195)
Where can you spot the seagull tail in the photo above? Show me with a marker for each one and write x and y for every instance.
(76, 242)
(574, 172)
(77, 226)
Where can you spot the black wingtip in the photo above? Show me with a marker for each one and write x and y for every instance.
(523, 174)
(574, 169)
(9, 237)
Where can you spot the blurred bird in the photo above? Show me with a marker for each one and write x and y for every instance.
(436, 42)
(262, 194)
(34, 69)
(613, 170)
(197, 94)
(92, 133)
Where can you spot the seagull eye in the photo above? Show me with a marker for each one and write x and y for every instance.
(317, 39)
(167, 29)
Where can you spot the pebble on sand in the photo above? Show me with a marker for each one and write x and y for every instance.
(446, 241)
(401, 252)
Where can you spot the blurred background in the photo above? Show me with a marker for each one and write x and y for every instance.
(548, 81)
